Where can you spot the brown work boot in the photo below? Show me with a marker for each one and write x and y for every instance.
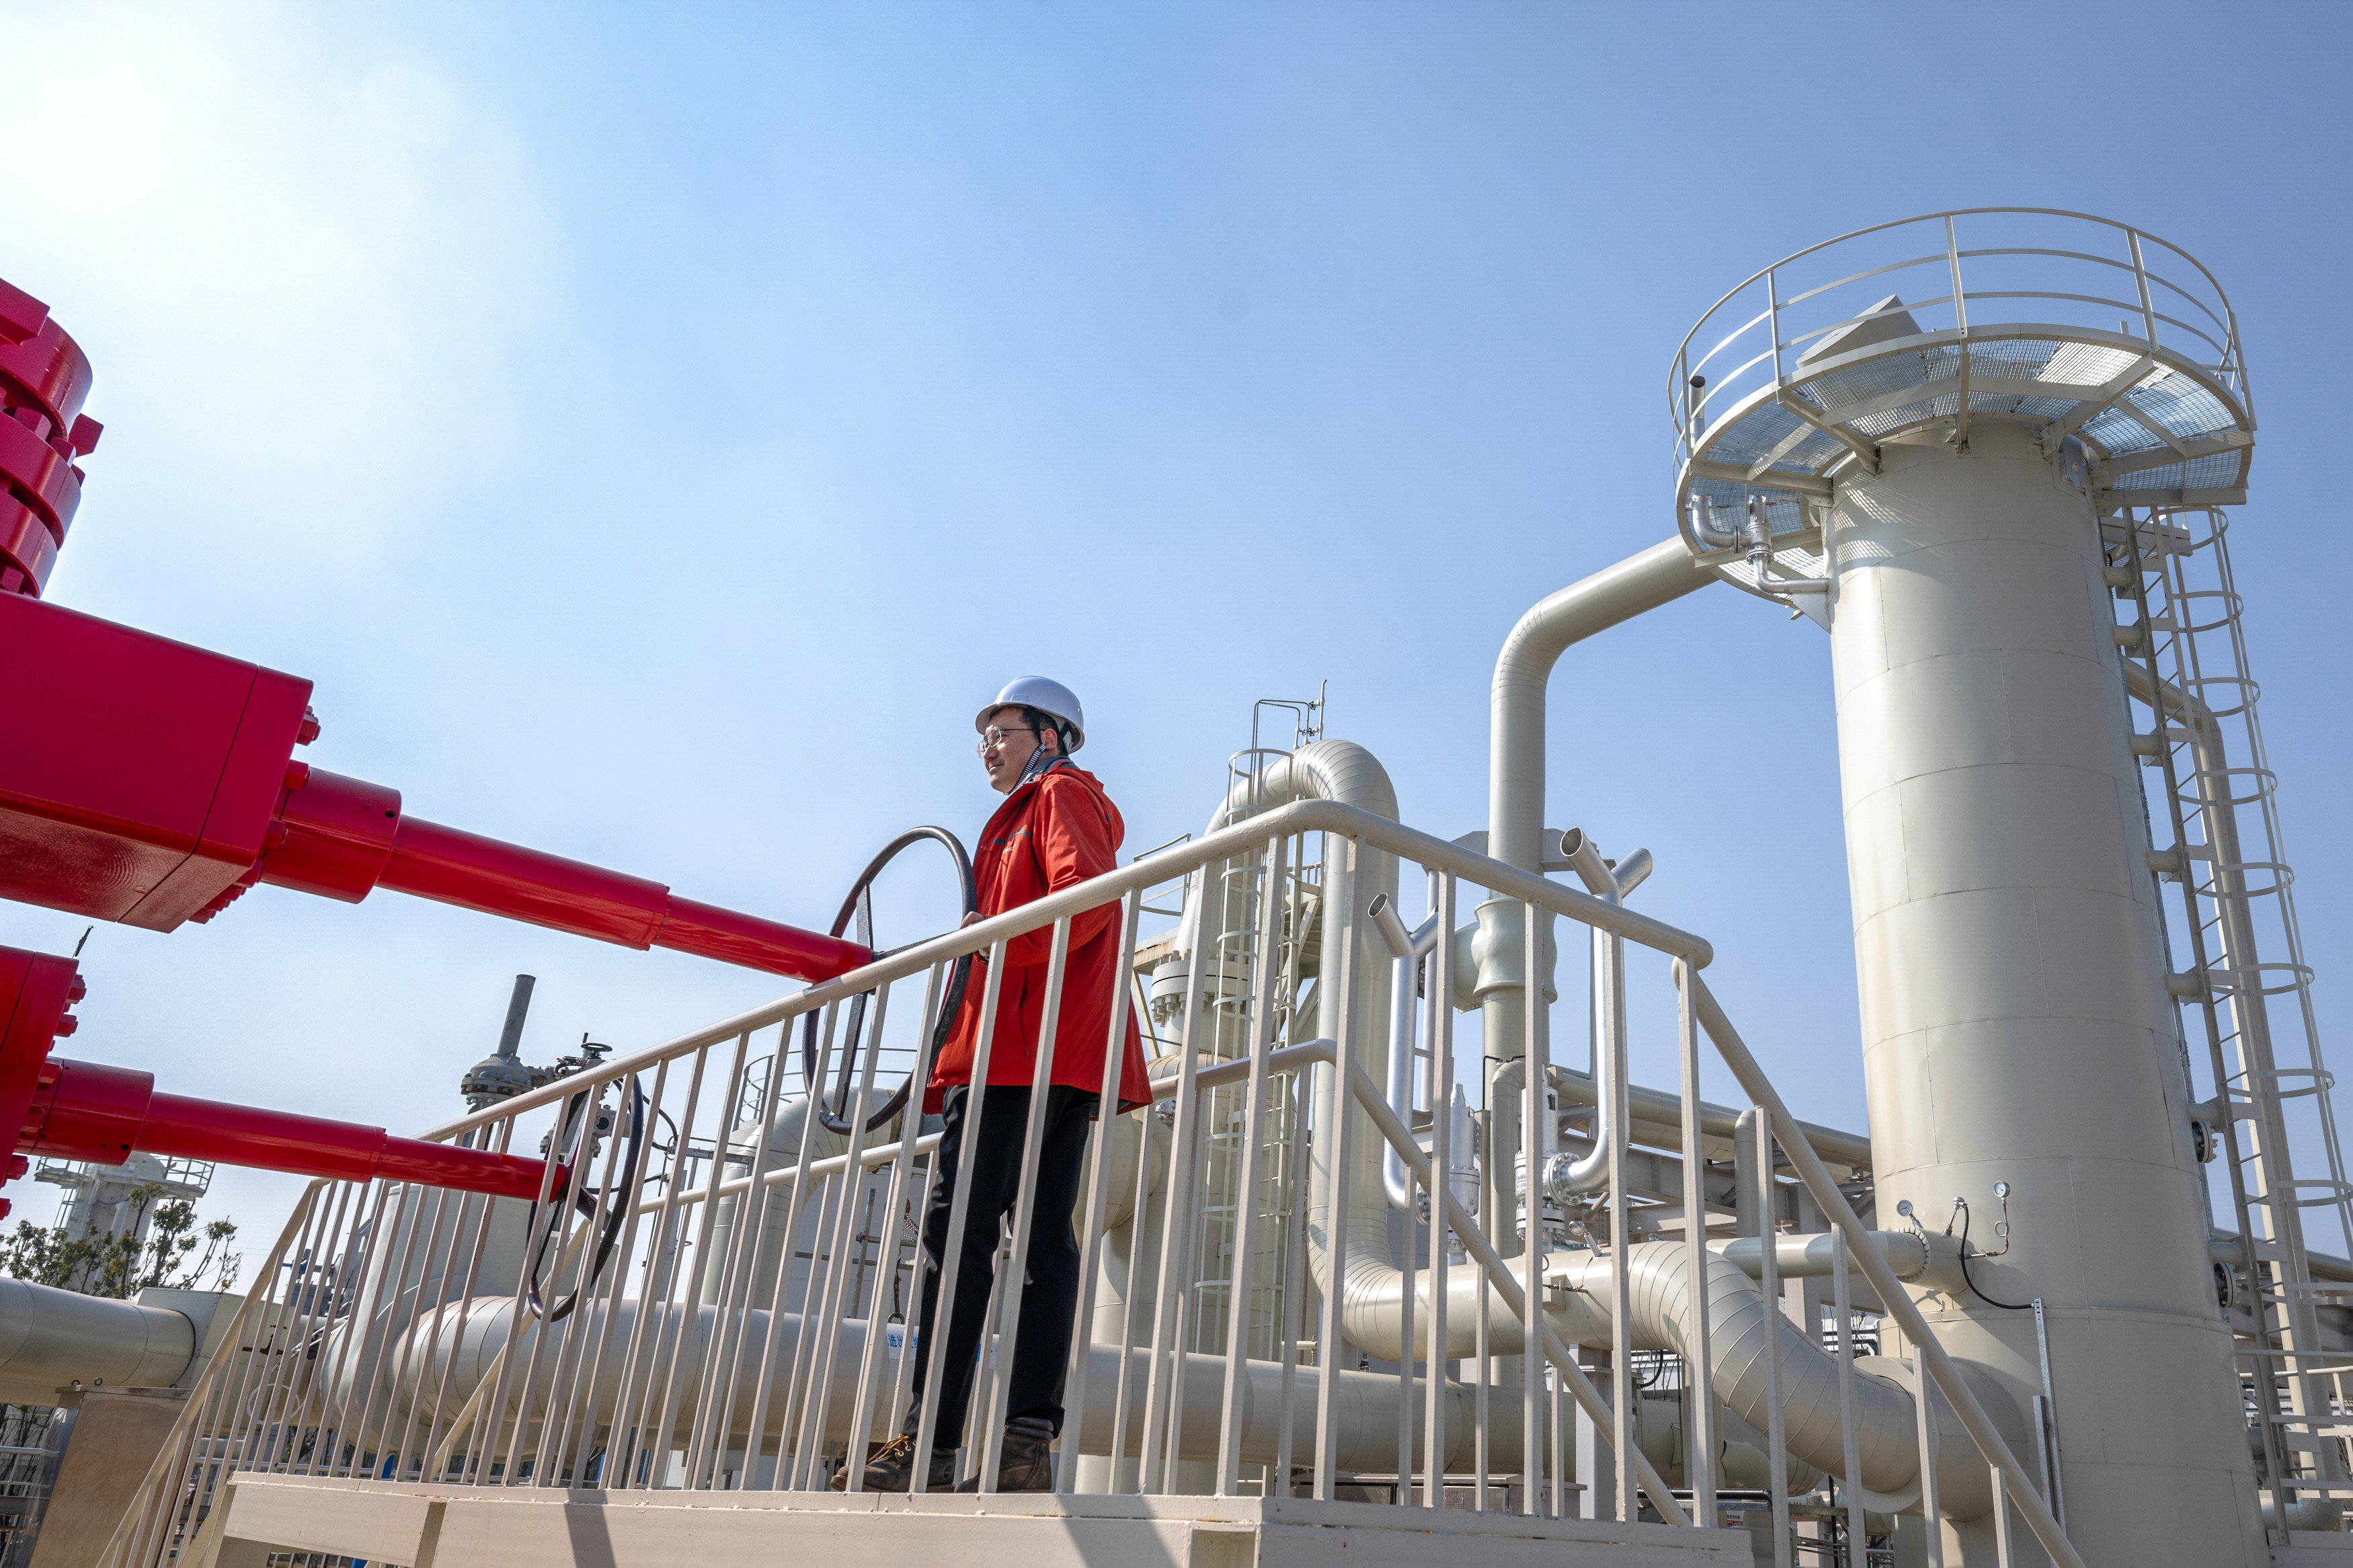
(890, 1467)
(1025, 1463)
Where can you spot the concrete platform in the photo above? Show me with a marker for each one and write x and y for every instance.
(522, 1527)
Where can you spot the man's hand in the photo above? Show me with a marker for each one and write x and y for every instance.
(972, 918)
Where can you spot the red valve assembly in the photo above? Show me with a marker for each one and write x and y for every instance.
(151, 782)
(83, 1110)
(43, 379)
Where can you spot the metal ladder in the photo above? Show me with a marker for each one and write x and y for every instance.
(2185, 644)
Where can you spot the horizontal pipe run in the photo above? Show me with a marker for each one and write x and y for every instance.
(451, 1362)
(343, 837)
(452, 866)
(1912, 1256)
(51, 1339)
(2227, 1249)
(1657, 1121)
(90, 1112)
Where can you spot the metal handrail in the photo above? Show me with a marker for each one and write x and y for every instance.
(1298, 817)
(2229, 364)
(692, 1343)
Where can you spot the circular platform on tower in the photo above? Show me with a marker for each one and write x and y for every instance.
(2118, 350)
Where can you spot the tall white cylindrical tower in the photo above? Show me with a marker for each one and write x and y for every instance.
(2016, 1025)
(1933, 489)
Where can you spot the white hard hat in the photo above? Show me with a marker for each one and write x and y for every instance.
(1050, 697)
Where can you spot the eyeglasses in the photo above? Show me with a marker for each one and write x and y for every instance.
(995, 735)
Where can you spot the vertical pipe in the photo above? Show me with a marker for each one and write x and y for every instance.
(1564, 1446)
(1841, 1303)
(1441, 1024)
(1700, 1471)
(2001, 1543)
(1407, 1279)
(1769, 1285)
(1338, 1122)
(1610, 1047)
(1245, 1241)
(1295, 1280)
(1531, 1195)
(1481, 1399)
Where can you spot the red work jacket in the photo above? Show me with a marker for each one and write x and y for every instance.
(1056, 829)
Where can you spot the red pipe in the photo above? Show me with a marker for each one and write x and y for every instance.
(345, 837)
(83, 1110)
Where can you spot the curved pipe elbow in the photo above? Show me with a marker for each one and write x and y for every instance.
(1659, 575)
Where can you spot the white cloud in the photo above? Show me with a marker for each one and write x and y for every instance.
(300, 262)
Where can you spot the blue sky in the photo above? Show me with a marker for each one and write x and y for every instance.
(655, 430)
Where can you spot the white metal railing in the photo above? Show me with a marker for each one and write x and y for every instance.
(736, 1331)
(2118, 281)
(2116, 349)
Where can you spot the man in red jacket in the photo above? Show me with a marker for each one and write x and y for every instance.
(1056, 828)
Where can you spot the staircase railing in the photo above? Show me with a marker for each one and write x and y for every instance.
(716, 1305)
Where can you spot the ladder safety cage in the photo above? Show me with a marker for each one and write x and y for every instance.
(2246, 981)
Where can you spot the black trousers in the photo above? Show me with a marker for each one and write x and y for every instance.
(1050, 1296)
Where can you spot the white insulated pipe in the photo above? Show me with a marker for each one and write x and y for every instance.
(1343, 772)
(1607, 989)
(451, 1364)
(1515, 787)
(51, 1339)
(1407, 950)
(2008, 952)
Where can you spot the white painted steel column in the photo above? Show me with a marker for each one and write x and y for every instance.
(2015, 1019)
